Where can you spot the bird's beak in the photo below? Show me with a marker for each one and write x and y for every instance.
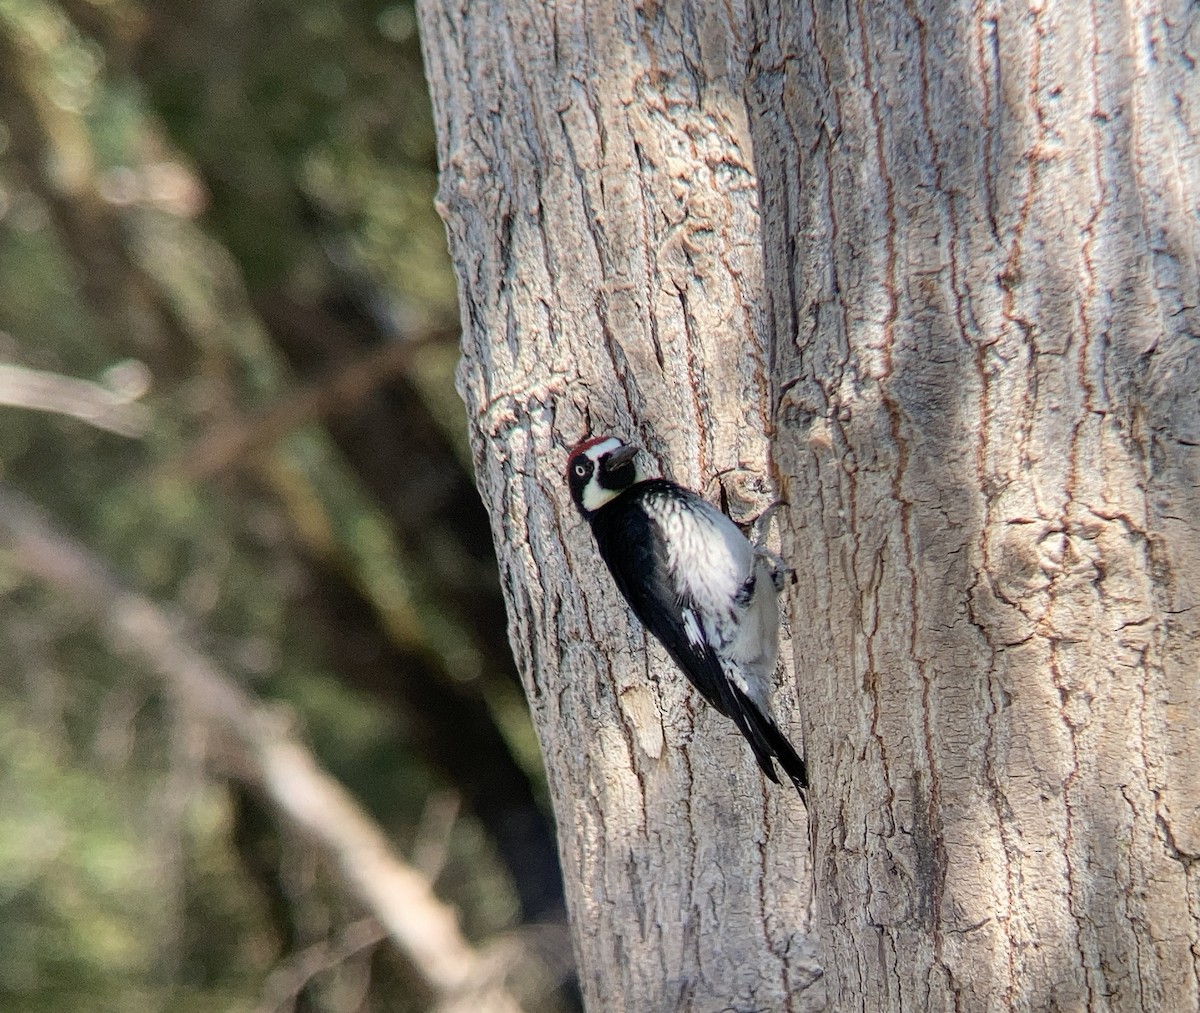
(620, 457)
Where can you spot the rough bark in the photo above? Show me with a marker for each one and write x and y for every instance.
(979, 372)
(602, 212)
(980, 235)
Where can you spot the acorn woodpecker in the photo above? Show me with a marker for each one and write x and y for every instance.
(705, 593)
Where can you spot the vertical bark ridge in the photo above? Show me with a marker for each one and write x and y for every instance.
(984, 332)
(602, 210)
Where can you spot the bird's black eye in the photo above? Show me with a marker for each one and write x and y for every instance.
(581, 469)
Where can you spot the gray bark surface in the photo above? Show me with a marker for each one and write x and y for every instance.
(602, 212)
(961, 341)
(980, 235)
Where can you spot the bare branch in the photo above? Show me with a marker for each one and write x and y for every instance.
(421, 926)
(288, 980)
(92, 403)
(431, 848)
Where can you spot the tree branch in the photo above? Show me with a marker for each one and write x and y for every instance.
(421, 926)
(92, 403)
(287, 981)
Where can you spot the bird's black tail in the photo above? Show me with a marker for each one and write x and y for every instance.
(792, 763)
(769, 743)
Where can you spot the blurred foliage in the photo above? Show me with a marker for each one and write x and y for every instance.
(166, 171)
(100, 871)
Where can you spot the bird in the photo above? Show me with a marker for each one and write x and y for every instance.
(696, 583)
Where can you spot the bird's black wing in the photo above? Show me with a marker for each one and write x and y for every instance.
(635, 550)
(636, 553)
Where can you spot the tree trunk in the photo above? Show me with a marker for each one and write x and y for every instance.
(980, 228)
(965, 334)
(602, 212)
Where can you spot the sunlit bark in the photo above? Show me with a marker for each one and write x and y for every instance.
(981, 243)
(969, 354)
(601, 203)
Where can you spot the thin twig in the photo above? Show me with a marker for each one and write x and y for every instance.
(287, 981)
(21, 387)
(431, 847)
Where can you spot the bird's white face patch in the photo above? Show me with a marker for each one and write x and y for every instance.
(594, 494)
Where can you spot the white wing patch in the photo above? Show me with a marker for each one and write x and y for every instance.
(710, 561)
(734, 674)
(707, 555)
